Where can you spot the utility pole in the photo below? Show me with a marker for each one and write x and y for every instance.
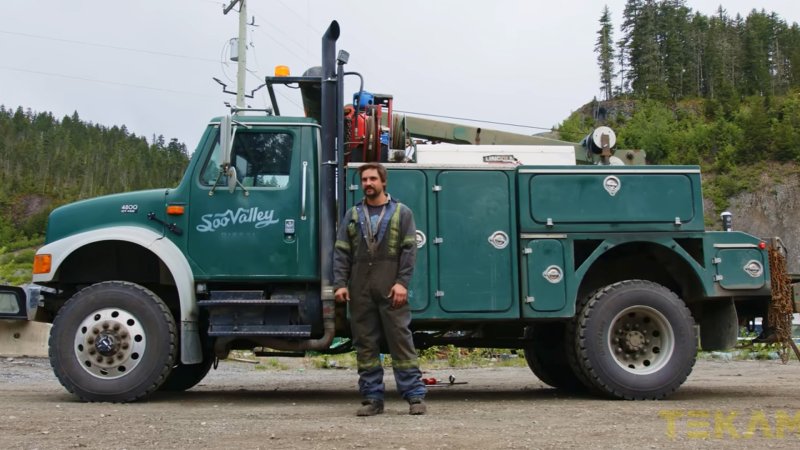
(241, 50)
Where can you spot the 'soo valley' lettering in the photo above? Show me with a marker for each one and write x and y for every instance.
(213, 221)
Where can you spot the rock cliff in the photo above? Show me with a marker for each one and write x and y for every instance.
(771, 210)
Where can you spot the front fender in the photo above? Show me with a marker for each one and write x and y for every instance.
(172, 257)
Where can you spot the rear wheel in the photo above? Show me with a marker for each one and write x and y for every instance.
(635, 340)
(546, 355)
(113, 342)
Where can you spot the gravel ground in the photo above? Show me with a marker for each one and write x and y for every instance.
(730, 404)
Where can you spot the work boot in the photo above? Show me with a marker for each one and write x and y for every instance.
(417, 406)
(370, 407)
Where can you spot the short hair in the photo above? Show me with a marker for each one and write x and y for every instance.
(373, 165)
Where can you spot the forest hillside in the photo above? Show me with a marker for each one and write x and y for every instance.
(719, 91)
(46, 162)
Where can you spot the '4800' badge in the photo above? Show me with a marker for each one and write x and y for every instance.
(129, 209)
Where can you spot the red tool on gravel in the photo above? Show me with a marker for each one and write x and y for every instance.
(434, 382)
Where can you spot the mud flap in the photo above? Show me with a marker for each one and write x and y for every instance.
(719, 326)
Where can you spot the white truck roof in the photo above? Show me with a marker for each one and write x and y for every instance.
(528, 155)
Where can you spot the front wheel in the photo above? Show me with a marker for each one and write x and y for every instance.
(635, 340)
(113, 342)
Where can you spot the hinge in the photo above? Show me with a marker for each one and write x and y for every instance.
(529, 299)
(438, 240)
(549, 222)
(717, 277)
(438, 294)
(352, 187)
(677, 221)
(716, 260)
(527, 251)
(436, 188)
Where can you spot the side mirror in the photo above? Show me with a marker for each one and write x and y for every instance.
(232, 180)
(226, 139)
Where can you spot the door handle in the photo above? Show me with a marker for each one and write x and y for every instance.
(303, 191)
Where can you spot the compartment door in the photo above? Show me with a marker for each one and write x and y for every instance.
(740, 268)
(546, 287)
(410, 188)
(475, 267)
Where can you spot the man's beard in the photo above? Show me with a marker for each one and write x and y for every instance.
(372, 193)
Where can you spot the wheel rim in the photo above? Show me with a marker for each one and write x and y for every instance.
(110, 343)
(641, 340)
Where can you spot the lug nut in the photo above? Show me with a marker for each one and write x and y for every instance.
(124, 345)
(96, 330)
(116, 327)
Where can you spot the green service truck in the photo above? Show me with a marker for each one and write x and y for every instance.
(603, 274)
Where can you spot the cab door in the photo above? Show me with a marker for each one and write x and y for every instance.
(266, 227)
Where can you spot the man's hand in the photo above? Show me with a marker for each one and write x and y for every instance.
(342, 295)
(399, 295)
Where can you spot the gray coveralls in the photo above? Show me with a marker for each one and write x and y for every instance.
(369, 276)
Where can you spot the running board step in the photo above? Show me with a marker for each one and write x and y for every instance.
(289, 301)
(296, 331)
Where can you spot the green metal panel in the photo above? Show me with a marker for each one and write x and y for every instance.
(610, 198)
(125, 209)
(262, 235)
(410, 188)
(740, 268)
(546, 280)
(474, 274)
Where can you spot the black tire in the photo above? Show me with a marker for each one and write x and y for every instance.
(125, 325)
(546, 355)
(186, 376)
(635, 340)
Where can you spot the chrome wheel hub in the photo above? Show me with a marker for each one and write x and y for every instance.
(641, 340)
(110, 343)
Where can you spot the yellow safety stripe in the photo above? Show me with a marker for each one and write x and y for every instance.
(405, 364)
(394, 231)
(367, 364)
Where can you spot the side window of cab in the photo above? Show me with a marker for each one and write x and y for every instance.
(262, 160)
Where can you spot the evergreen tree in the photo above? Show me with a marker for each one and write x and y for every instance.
(62, 161)
(605, 53)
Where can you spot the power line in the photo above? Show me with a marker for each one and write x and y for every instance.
(114, 47)
(475, 120)
(258, 13)
(72, 77)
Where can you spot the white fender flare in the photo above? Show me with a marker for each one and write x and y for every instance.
(164, 249)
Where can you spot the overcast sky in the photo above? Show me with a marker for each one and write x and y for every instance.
(148, 64)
